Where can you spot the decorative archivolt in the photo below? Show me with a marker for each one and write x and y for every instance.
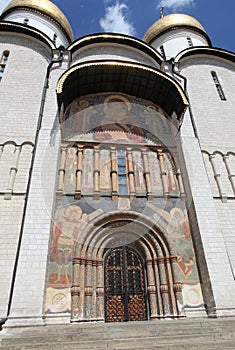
(100, 234)
(162, 281)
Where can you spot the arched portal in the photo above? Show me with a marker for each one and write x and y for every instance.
(99, 247)
(124, 286)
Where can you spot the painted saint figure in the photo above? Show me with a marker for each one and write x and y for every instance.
(66, 230)
(118, 122)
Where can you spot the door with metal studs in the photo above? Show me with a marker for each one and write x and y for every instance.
(125, 296)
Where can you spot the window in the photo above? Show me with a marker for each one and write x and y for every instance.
(54, 38)
(3, 63)
(26, 21)
(122, 172)
(163, 52)
(218, 86)
(190, 43)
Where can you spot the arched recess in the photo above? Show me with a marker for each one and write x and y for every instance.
(164, 289)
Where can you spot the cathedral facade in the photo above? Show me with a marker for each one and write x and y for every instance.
(117, 163)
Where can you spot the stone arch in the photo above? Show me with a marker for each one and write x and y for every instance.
(117, 229)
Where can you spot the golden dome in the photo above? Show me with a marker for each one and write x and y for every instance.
(45, 7)
(170, 22)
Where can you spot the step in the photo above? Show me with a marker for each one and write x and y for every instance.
(182, 334)
(223, 345)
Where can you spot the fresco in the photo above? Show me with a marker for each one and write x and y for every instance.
(71, 219)
(69, 222)
(116, 117)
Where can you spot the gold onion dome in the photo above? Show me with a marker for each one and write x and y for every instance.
(169, 22)
(45, 7)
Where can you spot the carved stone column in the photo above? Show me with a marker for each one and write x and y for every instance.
(163, 175)
(231, 176)
(164, 286)
(151, 289)
(158, 291)
(177, 286)
(94, 286)
(1, 151)
(81, 316)
(100, 291)
(171, 293)
(147, 174)
(131, 174)
(75, 291)
(114, 173)
(75, 300)
(61, 173)
(96, 173)
(217, 178)
(179, 178)
(13, 172)
(88, 289)
(78, 173)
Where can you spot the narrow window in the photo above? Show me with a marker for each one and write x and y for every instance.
(54, 38)
(163, 52)
(218, 86)
(122, 173)
(3, 63)
(26, 21)
(190, 43)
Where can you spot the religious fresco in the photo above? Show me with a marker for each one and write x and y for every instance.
(71, 219)
(176, 222)
(69, 223)
(155, 178)
(116, 118)
(71, 167)
(105, 171)
(140, 185)
(172, 183)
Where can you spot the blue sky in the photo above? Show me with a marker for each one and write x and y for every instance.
(134, 17)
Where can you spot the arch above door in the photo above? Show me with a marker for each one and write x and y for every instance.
(163, 287)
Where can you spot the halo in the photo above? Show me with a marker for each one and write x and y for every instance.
(84, 104)
(118, 97)
(73, 208)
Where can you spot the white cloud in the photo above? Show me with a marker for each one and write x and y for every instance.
(175, 4)
(115, 19)
(3, 4)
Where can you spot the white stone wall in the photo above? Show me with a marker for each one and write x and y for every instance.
(109, 51)
(21, 87)
(28, 297)
(41, 23)
(10, 224)
(214, 118)
(209, 177)
(226, 212)
(176, 41)
(20, 96)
